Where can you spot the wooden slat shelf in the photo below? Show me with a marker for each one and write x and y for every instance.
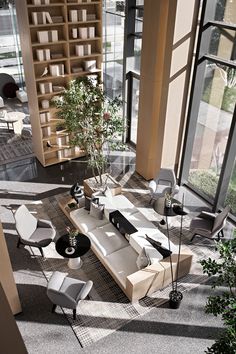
(65, 46)
(37, 44)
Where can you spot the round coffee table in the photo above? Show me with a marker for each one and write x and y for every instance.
(160, 208)
(13, 118)
(74, 253)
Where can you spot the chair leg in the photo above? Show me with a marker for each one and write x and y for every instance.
(222, 233)
(41, 251)
(74, 314)
(150, 201)
(18, 242)
(54, 308)
(193, 237)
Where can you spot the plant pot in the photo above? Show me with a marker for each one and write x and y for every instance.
(175, 298)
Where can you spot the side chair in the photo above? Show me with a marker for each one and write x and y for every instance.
(67, 292)
(209, 225)
(32, 231)
(165, 182)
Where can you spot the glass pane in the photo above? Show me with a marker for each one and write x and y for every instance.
(222, 43)
(134, 117)
(231, 193)
(225, 11)
(10, 54)
(113, 42)
(213, 124)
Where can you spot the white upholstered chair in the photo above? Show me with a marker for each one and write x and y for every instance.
(67, 292)
(165, 182)
(32, 231)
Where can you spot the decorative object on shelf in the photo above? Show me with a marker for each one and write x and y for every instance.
(43, 54)
(84, 104)
(45, 72)
(175, 296)
(45, 104)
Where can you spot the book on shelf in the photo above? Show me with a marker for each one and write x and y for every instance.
(48, 17)
(38, 18)
(45, 104)
(53, 35)
(74, 33)
(73, 16)
(91, 32)
(87, 49)
(57, 19)
(83, 32)
(56, 69)
(57, 88)
(56, 55)
(46, 131)
(82, 15)
(43, 36)
(45, 87)
(76, 69)
(91, 17)
(79, 50)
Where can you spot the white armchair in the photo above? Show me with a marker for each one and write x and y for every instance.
(165, 182)
(32, 231)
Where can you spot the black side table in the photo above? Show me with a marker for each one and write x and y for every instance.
(160, 208)
(74, 253)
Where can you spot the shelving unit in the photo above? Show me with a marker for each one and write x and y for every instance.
(41, 82)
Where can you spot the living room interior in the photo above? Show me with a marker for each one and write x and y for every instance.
(117, 170)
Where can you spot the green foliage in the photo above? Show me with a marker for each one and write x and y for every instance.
(93, 120)
(223, 304)
(206, 182)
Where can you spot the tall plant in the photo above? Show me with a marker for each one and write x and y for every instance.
(92, 119)
(223, 303)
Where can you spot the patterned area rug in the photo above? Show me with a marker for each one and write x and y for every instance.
(13, 147)
(109, 309)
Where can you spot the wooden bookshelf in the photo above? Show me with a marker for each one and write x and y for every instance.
(62, 55)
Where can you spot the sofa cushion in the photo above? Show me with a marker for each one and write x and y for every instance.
(84, 221)
(107, 239)
(140, 222)
(119, 202)
(122, 263)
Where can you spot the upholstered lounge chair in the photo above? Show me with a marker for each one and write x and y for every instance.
(67, 292)
(209, 225)
(165, 182)
(32, 231)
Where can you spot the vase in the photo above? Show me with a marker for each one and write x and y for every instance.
(167, 202)
(72, 241)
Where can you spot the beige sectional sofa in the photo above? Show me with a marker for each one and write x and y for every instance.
(119, 255)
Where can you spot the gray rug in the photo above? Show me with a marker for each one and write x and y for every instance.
(109, 309)
(13, 147)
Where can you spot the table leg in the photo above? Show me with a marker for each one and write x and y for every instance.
(75, 263)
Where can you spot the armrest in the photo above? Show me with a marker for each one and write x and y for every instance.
(152, 186)
(45, 223)
(207, 215)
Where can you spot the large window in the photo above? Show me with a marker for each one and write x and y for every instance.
(10, 53)
(210, 149)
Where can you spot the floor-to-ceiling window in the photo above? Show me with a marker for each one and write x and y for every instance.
(210, 149)
(10, 52)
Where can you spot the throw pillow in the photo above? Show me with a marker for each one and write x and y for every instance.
(157, 245)
(96, 210)
(88, 200)
(108, 193)
(143, 260)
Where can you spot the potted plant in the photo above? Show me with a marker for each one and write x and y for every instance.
(223, 302)
(175, 298)
(93, 121)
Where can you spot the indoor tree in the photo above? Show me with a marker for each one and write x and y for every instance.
(223, 302)
(93, 120)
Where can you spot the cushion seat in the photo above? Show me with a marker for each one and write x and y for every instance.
(123, 263)
(85, 221)
(41, 236)
(118, 202)
(107, 239)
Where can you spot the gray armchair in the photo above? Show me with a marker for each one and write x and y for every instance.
(209, 225)
(165, 182)
(32, 231)
(67, 292)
